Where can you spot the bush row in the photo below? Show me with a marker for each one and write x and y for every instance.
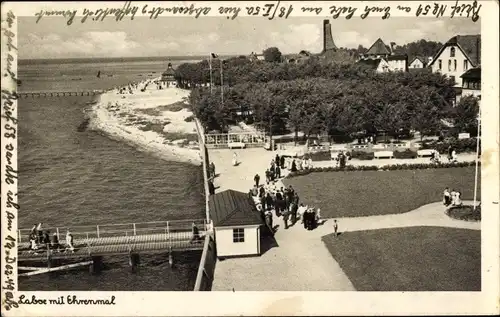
(392, 167)
(459, 145)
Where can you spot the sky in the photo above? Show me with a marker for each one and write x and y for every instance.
(182, 36)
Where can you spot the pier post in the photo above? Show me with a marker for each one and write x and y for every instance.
(133, 261)
(49, 257)
(95, 266)
(170, 258)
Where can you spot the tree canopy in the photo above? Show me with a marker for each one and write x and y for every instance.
(272, 55)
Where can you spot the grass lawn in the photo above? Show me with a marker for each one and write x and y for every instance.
(367, 193)
(410, 259)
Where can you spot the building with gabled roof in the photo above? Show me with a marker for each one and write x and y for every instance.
(380, 65)
(236, 222)
(378, 49)
(471, 83)
(456, 56)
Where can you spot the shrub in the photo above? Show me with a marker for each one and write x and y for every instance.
(465, 212)
(460, 145)
(319, 156)
(360, 155)
(406, 154)
(189, 119)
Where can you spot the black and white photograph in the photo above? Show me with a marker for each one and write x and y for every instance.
(232, 148)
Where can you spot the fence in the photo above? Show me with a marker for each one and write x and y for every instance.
(119, 230)
(41, 94)
(206, 270)
(251, 139)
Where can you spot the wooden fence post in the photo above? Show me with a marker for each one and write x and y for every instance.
(135, 233)
(98, 232)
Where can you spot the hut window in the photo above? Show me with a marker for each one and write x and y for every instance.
(466, 65)
(452, 52)
(238, 235)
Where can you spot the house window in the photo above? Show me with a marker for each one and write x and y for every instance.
(238, 235)
(452, 52)
(466, 65)
(455, 64)
(449, 65)
(440, 64)
(453, 78)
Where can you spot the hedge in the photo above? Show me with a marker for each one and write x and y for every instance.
(319, 156)
(392, 167)
(465, 212)
(406, 154)
(360, 155)
(460, 145)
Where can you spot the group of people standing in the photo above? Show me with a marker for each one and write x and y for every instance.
(40, 239)
(451, 198)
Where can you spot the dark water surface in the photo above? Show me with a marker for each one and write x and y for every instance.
(70, 178)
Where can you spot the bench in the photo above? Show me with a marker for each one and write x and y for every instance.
(422, 153)
(233, 145)
(381, 154)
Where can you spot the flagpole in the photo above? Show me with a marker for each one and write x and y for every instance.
(211, 78)
(477, 152)
(221, 83)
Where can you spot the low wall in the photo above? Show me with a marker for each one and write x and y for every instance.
(206, 271)
(205, 275)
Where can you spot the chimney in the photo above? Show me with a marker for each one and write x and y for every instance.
(328, 43)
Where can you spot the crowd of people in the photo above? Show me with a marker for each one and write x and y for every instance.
(451, 198)
(42, 240)
(282, 202)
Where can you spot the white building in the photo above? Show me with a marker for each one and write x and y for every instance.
(418, 62)
(237, 224)
(380, 65)
(385, 58)
(458, 55)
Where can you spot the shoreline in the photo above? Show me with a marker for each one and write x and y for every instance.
(134, 118)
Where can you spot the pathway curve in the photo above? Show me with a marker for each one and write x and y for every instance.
(301, 261)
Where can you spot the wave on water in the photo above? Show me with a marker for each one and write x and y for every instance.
(112, 113)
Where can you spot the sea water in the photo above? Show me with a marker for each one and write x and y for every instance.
(69, 178)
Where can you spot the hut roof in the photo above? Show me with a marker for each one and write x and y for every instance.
(233, 208)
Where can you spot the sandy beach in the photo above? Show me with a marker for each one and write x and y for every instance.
(151, 119)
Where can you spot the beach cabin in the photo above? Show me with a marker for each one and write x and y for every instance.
(168, 76)
(237, 224)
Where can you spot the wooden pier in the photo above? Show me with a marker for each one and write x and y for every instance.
(42, 94)
(94, 242)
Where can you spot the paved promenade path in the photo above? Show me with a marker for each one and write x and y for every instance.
(301, 261)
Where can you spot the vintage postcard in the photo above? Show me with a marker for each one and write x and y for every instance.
(261, 158)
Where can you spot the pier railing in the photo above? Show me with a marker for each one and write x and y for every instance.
(118, 230)
(40, 94)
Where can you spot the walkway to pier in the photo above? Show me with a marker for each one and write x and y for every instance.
(101, 240)
(301, 261)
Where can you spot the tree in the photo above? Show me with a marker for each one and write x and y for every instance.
(465, 115)
(272, 55)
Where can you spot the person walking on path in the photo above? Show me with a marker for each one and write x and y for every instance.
(282, 162)
(335, 228)
(446, 197)
(277, 160)
(268, 176)
(278, 171)
(212, 170)
(211, 187)
(256, 179)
